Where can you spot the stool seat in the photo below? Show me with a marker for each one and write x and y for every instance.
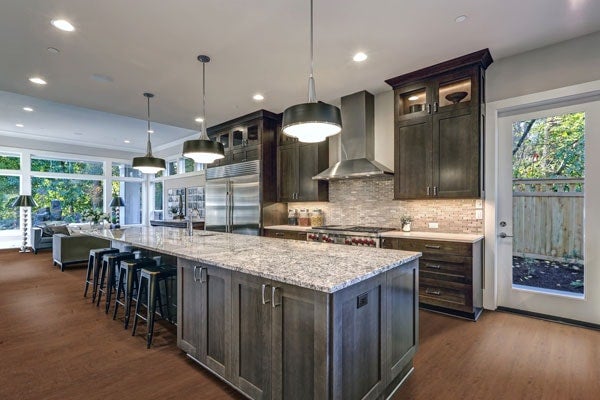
(93, 269)
(149, 282)
(107, 275)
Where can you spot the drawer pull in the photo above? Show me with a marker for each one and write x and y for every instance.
(263, 289)
(279, 234)
(433, 266)
(432, 246)
(434, 292)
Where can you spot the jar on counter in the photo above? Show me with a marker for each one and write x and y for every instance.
(304, 218)
(316, 217)
(292, 217)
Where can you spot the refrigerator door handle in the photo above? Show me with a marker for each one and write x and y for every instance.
(230, 209)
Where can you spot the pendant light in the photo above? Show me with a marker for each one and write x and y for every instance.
(313, 121)
(149, 164)
(203, 150)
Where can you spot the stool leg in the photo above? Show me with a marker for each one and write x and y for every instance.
(97, 266)
(160, 302)
(101, 285)
(88, 274)
(109, 284)
(131, 281)
(119, 291)
(137, 304)
(151, 310)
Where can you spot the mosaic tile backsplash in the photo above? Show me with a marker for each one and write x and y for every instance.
(370, 201)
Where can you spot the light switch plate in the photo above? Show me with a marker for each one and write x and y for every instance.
(433, 225)
(478, 214)
(478, 204)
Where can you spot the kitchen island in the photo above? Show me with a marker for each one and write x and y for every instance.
(289, 319)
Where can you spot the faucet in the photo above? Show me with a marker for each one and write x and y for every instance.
(189, 226)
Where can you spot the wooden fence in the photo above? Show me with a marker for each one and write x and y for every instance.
(548, 218)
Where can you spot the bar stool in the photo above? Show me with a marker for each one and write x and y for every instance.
(127, 272)
(93, 269)
(107, 275)
(150, 278)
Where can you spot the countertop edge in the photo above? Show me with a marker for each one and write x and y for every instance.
(447, 237)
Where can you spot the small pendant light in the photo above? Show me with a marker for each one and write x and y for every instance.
(313, 121)
(203, 150)
(149, 164)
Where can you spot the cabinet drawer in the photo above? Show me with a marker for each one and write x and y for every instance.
(455, 296)
(437, 247)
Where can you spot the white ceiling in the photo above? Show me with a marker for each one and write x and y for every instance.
(255, 46)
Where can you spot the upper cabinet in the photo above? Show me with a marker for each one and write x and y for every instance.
(297, 163)
(439, 121)
(247, 138)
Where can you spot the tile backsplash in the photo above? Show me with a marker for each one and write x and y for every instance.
(369, 201)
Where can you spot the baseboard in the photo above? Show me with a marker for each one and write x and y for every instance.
(551, 318)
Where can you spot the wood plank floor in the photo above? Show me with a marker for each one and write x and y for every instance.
(55, 345)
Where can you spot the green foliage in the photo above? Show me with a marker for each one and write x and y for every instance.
(550, 147)
(75, 195)
(67, 166)
(9, 190)
(10, 162)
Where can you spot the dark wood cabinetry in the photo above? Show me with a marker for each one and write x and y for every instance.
(247, 138)
(285, 234)
(450, 274)
(205, 314)
(297, 163)
(439, 119)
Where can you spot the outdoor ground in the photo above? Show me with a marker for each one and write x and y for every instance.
(546, 274)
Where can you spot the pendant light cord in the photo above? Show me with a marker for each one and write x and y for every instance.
(204, 134)
(312, 94)
(148, 145)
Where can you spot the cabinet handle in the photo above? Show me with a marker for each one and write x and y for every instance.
(435, 106)
(205, 270)
(432, 266)
(428, 108)
(435, 190)
(428, 191)
(279, 234)
(432, 246)
(264, 299)
(434, 292)
(195, 274)
(273, 290)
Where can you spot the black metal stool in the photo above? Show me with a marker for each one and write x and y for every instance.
(150, 278)
(93, 268)
(107, 275)
(127, 272)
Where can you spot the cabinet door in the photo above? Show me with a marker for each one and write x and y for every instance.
(299, 362)
(413, 144)
(215, 334)
(251, 335)
(307, 168)
(456, 155)
(287, 172)
(189, 301)
(413, 101)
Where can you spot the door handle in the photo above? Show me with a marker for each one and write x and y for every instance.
(264, 299)
(435, 190)
(428, 108)
(435, 106)
(273, 291)
(428, 191)
(504, 235)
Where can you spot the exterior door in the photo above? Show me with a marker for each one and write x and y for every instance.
(547, 241)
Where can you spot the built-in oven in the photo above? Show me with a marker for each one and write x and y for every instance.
(367, 236)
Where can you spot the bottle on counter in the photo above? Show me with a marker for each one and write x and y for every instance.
(304, 217)
(292, 217)
(316, 217)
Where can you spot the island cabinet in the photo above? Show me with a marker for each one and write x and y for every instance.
(450, 274)
(439, 121)
(282, 341)
(297, 163)
(204, 314)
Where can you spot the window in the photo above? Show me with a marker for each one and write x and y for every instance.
(64, 166)
(157, 196)
(9, 161)
(125, 170)
(172, 167)
(9, 191)
(131, 192)
(190, 165)
(65, 199)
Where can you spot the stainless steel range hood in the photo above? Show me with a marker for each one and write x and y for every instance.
(358, 141)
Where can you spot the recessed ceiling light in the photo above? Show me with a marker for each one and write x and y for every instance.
(150, 131)
(460, 18)
(359, 57)
(126, 141)
(28, 109)
(19, 125)
(63, 25)
(199, 119)
(413, 98)
(53, 50)
(258, 97)
(37, 80)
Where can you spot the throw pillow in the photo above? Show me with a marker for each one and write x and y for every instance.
(47, 231)
(60, 229)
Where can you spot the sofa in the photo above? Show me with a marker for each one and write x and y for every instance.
(42, 232)
(74, 248)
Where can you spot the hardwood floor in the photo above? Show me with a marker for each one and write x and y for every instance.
(55, 345)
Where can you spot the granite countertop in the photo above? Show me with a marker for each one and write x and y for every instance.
(289, 227)
(319, 266)
(449, 237)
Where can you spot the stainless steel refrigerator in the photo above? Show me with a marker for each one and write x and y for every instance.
(232, 198)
